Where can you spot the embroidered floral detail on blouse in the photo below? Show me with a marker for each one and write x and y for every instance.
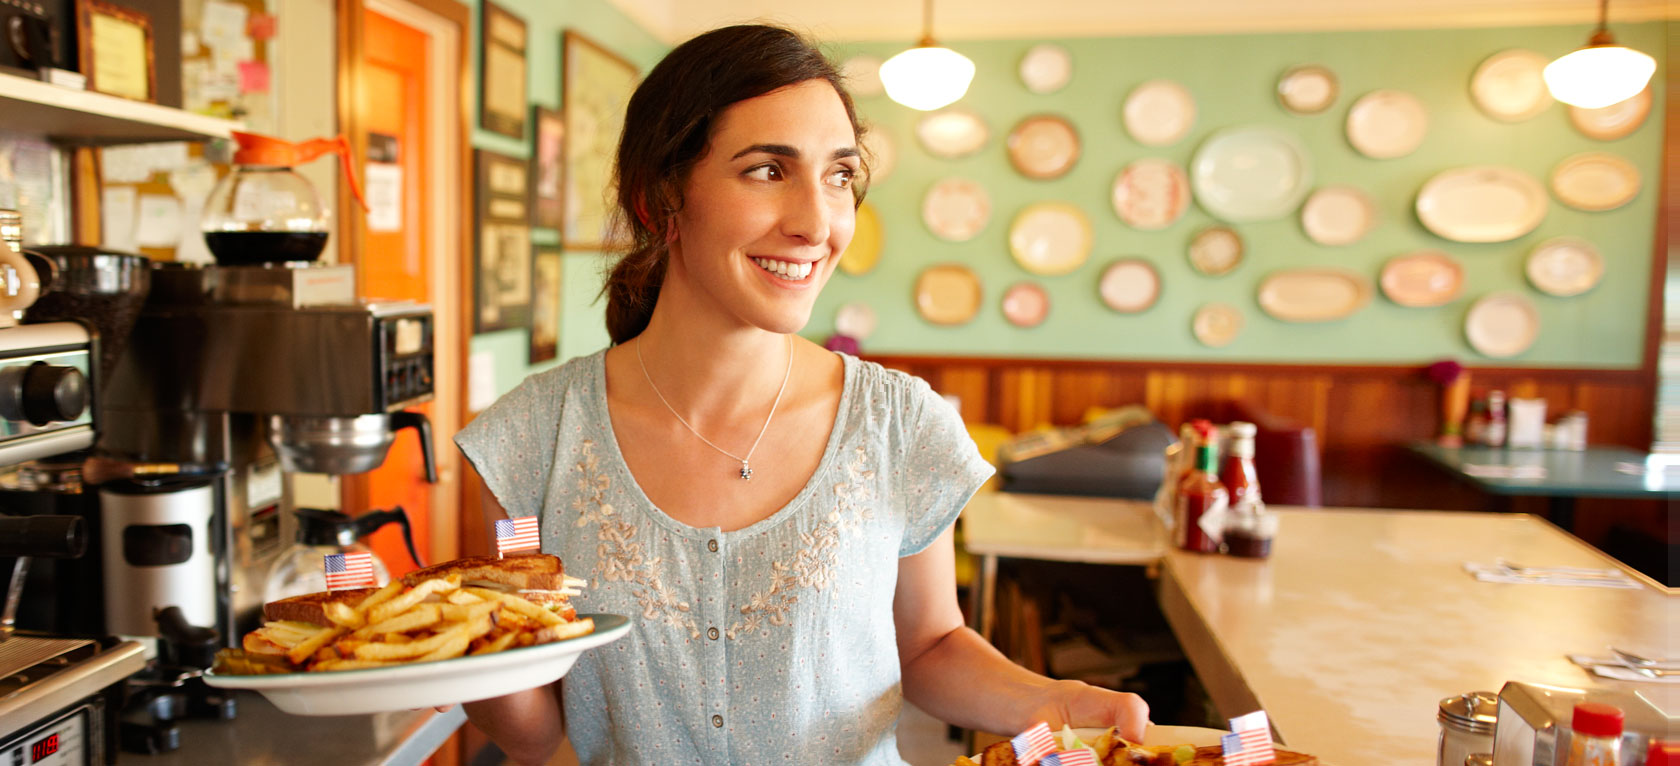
(813, 566)
(620, 555)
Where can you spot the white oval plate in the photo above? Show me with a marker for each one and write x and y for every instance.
(1595, 182)
(1422, 279)
(1250, 174)
(1050, 238)
(1608, 123)
(1508, 86)
(1385, 124)
(1217, 324)
(956, 209)
(863, 75)
(425, 684)
(1025, 304)
(1150, 194)
(1564, 266)
(865, 249)
(856, 320)
(1338, 215)
(948, 294)
(882, 154)
(1129, 285)
(1046, 68)
(1313, 295)
(1481, 203)
(1159, 113)
(1154, 736)
(1307, 89)
(1502, 325)
(952, 133)
(1043, 146)
(1216, 250)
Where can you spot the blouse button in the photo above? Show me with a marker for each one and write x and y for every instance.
(711, 545)
(717, 721)
(712, 633)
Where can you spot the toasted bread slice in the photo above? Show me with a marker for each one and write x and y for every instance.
(534, 572)
(311, 607)
(1215, 756)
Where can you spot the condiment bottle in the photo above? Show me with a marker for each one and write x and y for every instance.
(1496, 419)
(1467, 722)
(1249, 529)
(1596, 736)
(1199, 512)
(1475, 427)
(1663, 753)
(1177, 460)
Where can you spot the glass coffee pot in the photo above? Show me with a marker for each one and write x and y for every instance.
(320, 533)
(263, 211)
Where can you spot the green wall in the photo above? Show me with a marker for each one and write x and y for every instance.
(1232, 78)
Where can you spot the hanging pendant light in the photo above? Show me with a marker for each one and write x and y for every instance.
(1601, 73)
(927, 76)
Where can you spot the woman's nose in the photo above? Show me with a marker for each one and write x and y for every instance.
(806, 213)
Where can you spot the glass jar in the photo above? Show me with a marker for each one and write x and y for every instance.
(264, 214)
(1466, 727)
(1595, 735)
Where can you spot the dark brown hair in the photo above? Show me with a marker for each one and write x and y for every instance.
(667, 128)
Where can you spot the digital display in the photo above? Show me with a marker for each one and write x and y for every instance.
(43, 748)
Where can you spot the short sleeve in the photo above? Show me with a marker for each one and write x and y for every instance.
(939, 467)
(511, 444)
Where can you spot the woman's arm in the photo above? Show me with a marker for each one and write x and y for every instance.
(525, 725)
(954, 675)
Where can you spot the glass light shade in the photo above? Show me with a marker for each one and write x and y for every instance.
(927, 77)
(1599, 75)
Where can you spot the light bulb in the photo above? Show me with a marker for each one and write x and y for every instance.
(927, 77)
(1599, 75)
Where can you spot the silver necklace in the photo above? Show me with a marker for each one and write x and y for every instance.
(746, 464)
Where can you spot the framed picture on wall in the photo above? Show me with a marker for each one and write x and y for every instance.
(545, 304)
(546, 168)
(114, 47)
(501, 72)
(596, 90)
(502, 250)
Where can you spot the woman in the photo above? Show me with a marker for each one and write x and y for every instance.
(775, 518)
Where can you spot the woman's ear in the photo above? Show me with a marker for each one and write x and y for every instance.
(671, 230)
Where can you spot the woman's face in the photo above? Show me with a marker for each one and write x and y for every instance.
(768, 210)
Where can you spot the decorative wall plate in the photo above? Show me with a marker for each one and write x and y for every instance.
(1338, 215)
(1313, 295)
(1307, 89)
(1216, 250)
(1250, 174)
(956, 209)
(948, 294)
(1129, 285)
(1481, 203)
(1595, 182)
(1385, 124)
(881, 152)
(1617, 120)
(1050, 238)
(1502, 325)
(1043, 146)
(1564, 266)
(1025, 304)
(1422, 279)
(1508, 86)
(863, 75)
(1217, 324)
(952, 133)
(1150, 194)
(1159, 113)
(1046, 68)
(865, 250)
(855, 319)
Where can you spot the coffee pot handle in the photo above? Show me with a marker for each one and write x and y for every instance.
(372, 520)
(423, 427)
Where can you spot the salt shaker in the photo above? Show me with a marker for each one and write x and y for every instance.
(1466, 727)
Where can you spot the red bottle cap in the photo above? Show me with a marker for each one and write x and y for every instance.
(1597, 719)
(1663, 754)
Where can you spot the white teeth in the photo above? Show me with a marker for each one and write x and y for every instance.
(785, 269)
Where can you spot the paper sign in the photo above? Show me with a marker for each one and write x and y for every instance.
(481, 380)
(193, 181)
(382, 187)
(192, 248)
(116, 219)
(167, 155)
(253, 77)
(159, 221)
(125, 164)
(221, 23)
(262, 26)
(225, 57)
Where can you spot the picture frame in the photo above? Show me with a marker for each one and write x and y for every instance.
(116, 51)
(502, 248)
(546, 285)
(548, 130)
(596, 91)
(502, 100)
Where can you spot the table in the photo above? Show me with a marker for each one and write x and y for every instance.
(262, 735)
(1569, 474)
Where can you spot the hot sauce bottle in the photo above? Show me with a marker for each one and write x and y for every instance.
(1248, 528)
(1200, 502)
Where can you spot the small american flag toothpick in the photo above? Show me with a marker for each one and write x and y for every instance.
(517, 535)
(1250, 741)
(1033, 744)
(348, 570)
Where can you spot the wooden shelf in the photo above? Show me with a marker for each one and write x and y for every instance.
(86, 118)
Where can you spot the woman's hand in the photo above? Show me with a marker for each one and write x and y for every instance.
(1078, 704)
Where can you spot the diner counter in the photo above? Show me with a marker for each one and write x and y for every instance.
(264, 736)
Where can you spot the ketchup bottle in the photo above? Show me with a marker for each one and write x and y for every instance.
(1200, 502)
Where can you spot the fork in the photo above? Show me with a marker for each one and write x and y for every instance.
(1644, 662)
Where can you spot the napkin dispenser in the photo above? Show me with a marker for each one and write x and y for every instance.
(1533, 724)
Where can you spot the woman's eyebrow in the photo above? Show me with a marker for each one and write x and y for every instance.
(784, 150)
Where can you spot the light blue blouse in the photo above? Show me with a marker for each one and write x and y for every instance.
(769, 644)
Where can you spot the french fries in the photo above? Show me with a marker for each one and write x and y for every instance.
(438, 619)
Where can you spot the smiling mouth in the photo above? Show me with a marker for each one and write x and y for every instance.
(788, 270)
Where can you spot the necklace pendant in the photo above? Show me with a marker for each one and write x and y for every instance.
(746, 470)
